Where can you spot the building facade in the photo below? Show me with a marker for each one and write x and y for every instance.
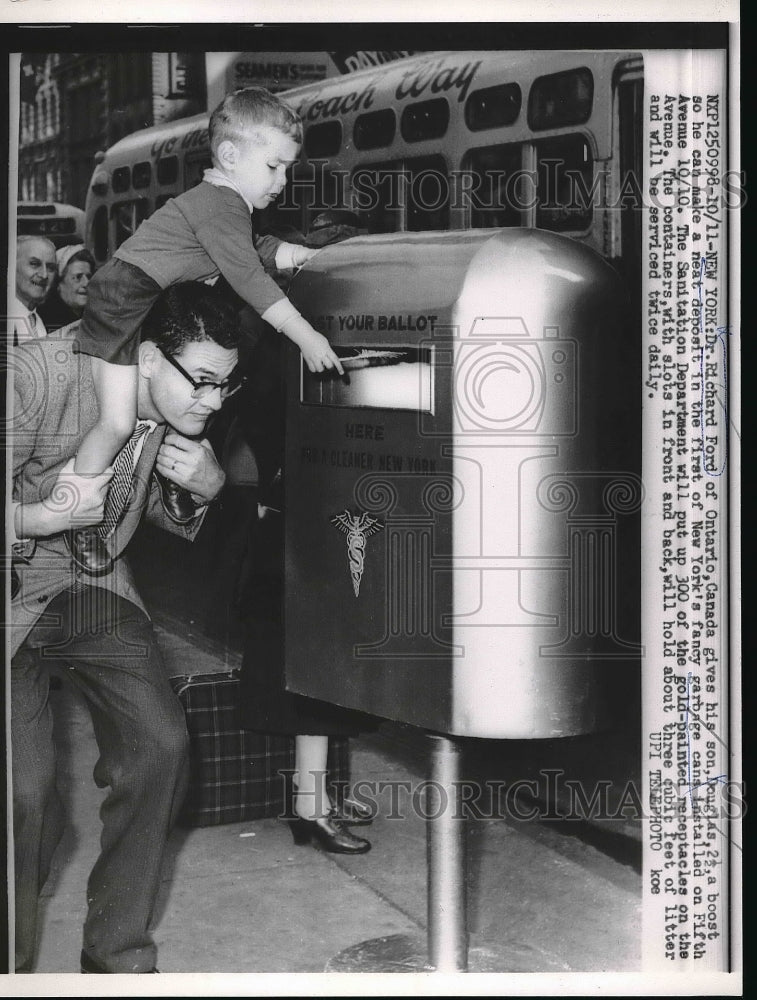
(40, 174)
(75, 104)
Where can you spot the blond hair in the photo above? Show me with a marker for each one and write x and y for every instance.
(240, 113)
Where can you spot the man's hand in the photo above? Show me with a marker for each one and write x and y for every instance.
(74, 501)
(191, 464)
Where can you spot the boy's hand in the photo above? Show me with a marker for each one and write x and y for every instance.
(316, 350)
(319, 354)
(74, 501)
(301, 255)
(77, 500)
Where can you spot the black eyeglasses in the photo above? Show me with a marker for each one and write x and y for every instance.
(228, 387)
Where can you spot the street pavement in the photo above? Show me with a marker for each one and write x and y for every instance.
(241, 898)
(544, 893)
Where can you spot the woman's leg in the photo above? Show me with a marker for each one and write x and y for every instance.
(311, 798)
(312, 805)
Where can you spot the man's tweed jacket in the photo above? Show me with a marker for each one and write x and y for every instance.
(54, 405)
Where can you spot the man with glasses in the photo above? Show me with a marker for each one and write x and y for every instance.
(171, 466)
(94, 631)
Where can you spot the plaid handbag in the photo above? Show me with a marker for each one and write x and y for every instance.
(235, 774)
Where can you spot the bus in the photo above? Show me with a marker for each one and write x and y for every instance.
(439, 141)
(61, 224)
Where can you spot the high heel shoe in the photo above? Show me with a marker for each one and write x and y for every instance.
(354, 813)
(341, 807)
(329, 833)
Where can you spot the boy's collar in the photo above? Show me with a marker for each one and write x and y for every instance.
(218, 178)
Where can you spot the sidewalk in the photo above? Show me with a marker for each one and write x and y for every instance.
(241, 898)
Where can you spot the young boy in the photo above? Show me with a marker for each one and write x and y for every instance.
(254, 138)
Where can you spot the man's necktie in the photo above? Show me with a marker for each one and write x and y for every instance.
(120, 485)
(32, 319)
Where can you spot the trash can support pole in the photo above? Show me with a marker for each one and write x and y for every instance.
(446, 858)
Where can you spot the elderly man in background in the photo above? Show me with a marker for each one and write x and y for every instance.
(36, 268)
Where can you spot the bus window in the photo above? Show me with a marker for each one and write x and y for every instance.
(492, 188)
(327, 192)
(425, 120)
(377, 196)
(375, 129)
(168, 170)
(428, 195)
(420, 186)
(62, 224)
(493, 107)
(288, 209)
(127, 216)
(121, 180)
(561, 99)
(310, 190)
(564, 194)
(630, 167)
(194, 167)
(50, 225)
(141, 174)
(324, 139)
(100, 233)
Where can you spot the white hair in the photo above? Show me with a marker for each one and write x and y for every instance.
(26, 238)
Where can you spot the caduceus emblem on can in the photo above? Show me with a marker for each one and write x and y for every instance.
(357, 527)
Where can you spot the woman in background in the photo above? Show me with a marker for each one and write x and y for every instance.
(66, 302)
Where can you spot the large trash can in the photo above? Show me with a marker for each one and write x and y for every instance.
(459, 551)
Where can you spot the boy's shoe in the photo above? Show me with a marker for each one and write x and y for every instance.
(177, 502)
(22, 553)
(88, 550)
